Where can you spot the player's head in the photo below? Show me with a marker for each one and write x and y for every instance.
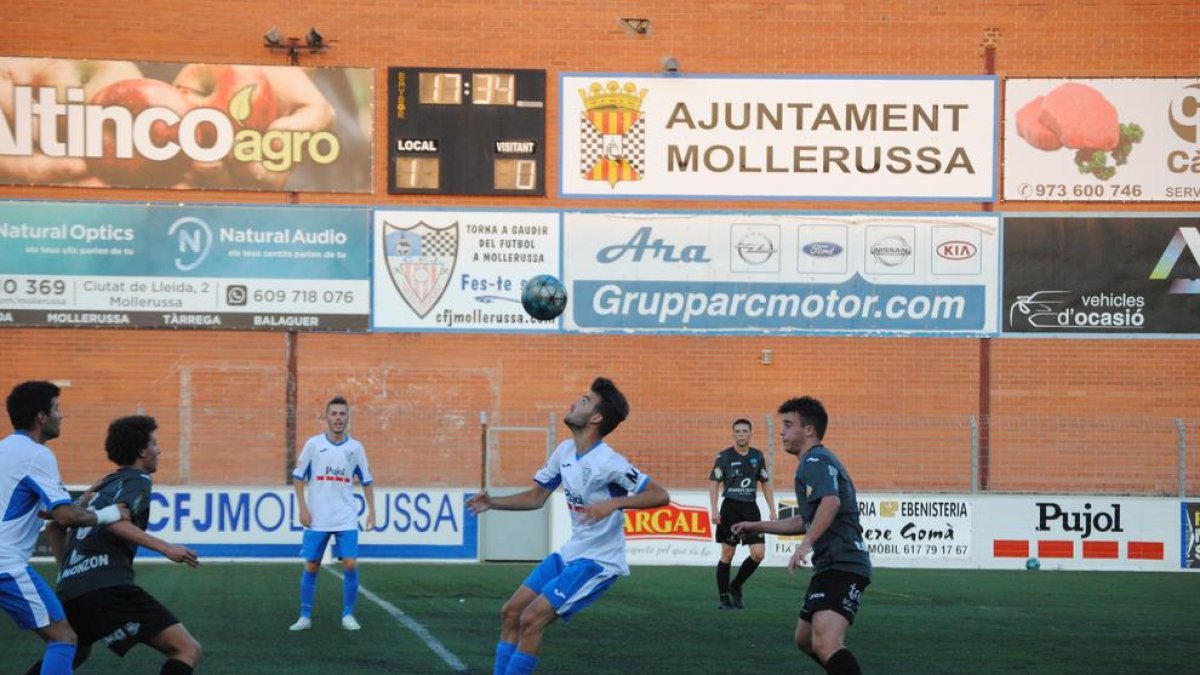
(604, 405)
(611, 405)
(337, 415)
(741, 432)
(33, 406)
(802, 423)
(131, 440)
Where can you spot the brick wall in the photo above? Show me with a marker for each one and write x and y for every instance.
(1066, 414)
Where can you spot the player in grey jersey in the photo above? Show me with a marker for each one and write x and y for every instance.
(738, 469)
(96, 581)
(827, 506)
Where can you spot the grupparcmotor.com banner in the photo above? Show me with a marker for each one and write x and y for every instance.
(185, 125)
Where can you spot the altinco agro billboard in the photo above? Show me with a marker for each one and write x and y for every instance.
(185, 126)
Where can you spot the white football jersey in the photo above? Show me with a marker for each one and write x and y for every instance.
(29, 482)
(330, 469)
(599, 475)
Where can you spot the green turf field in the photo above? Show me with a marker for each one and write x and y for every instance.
(664, 620)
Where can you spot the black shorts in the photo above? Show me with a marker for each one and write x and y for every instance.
(833, 590)
(732, 512)
(118, 616)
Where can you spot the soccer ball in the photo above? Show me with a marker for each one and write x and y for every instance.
(544, 297)
(1033, 564)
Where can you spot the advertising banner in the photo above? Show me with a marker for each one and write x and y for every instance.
(197, 266)
(1190, 531)
(948, 531)
(1129, 276)
(1078, 532)
(461, 270)
(900, 531)
(225, 522)
(1107, 140)
(764, 272)
(788, 137)
(187, 126)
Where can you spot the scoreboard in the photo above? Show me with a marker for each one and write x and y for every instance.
(461, 131)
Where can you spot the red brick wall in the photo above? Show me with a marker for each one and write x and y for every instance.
(1063, 410)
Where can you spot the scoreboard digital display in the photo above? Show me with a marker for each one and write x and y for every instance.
(466, 132)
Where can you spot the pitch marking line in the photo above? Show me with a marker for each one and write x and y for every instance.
(411, 624)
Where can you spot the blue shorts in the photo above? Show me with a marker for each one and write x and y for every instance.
(29, 600)
(569, 588)
(345, 544)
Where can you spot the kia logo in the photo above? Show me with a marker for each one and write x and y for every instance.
(821, 249)
(956, 250)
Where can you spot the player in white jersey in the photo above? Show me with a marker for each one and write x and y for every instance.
(598, 483)
(327, 467)
(30, 486)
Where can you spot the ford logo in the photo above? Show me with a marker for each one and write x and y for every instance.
(822, 249)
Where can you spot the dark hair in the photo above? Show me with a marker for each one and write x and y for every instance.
(810, 410)
(336, 400)
(28, 399)
(612, 406)
(741, 420)
(128, 437)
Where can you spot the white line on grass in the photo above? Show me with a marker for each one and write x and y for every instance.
(411, 624)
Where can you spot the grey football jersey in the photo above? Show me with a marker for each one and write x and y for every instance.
(96, 558)
(842, 547)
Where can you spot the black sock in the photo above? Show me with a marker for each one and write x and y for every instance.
(842, 663)
(35, 670)
(723, 578)
(814, 657)
(744, 572)
(175, 667)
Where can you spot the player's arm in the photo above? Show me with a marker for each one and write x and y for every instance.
(769, 494)
(56, 536)
(74, 515)
(369, 495)
(826, 511)
(712, 498)
(533, 498)
(300, 481)
(134, 534)
(652, 495)
(793, 525)
(305, 517)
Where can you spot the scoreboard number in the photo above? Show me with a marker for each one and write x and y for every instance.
(466, 131)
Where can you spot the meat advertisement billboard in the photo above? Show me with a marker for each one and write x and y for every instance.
(1102, 140)
(1136, 276)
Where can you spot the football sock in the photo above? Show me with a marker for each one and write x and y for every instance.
(843, 663)
(57, 658)
(175, 667)
(521, 663)
(349, 591)
(814, 657)
(744, 572)
(504, 652)
(723, 577)
(35, 669)
(308, 591)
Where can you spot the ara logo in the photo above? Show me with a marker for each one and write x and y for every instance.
(643, 244)
(1184, 238)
